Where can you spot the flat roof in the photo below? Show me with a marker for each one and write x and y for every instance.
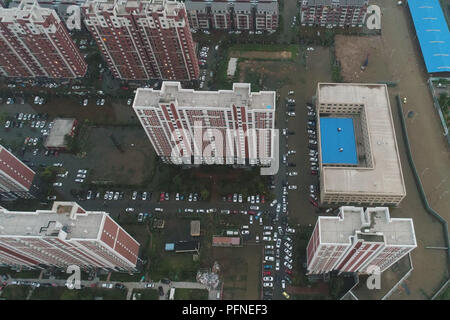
(171, 91)
(56, 136)
(376, 221)
(433, 34)
(338, 141)
(33, 224)
(386, 176)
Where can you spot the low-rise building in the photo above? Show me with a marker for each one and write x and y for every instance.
(56, 139)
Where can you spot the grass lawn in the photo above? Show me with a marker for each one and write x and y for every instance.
(27, 274)
(15, 292)
(191, 294)
(147, 294)
(445, 295)
(62, 293)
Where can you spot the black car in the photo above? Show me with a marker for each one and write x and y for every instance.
(119, 286)
(165, 281)
(291, 164)
(161, 291)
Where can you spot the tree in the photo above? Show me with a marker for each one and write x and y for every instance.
(205, 194)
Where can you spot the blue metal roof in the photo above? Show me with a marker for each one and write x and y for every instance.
(337, 140)
(432, 32)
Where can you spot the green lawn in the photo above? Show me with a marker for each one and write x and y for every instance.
(15, 292)
(191, 294)
(147, 294)
(61, 293)
(445, 295)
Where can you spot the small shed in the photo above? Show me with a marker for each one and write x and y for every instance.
(195, 228)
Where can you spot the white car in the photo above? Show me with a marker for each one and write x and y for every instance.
(254, 207)
(188, 210)
(288, 252)
(268, 247)
(268, 228)
(277, 265)
(288, 259)
(283, 284)
(292, 174)
(287, 265)
(268, 279)
(81, 176)
(107, 285)
(293, 187)
(144, 195)
(134, 196)
(267, 238)
(245, 232)
(83, 171)
(79, 180)
(278, 243)
(274, 202)
(129, 210)
(290, 230)
(57, 164)
(268, 284)
(288, 245)
(57, 184)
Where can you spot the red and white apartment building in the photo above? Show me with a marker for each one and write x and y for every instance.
(34, 42)
(357, 241)
(65, 235)
(236, 125)
(253, 15)
(143, 40)
(333, 13)
(16, 178)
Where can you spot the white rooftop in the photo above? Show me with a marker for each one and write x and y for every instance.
(28, 10)
(241, 95)
(386, 176)
(62, 216)
(56, 136)
(374, 221)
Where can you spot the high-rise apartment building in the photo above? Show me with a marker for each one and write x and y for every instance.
(359, 241)
(258, 15)
(143, 40)
(16, 178)
(333, 13)
(34, 42)
(65, 235)
(222, 127)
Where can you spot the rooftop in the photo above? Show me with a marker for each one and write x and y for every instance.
(28, 10)
(55, 138)
(338, 141)
(64, 216)
(433, 34)
(372, 225)
(241, 95)
(385, 177)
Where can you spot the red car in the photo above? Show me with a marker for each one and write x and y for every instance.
(251, 212)
(267, 273)
(230, 198)
(161, 196)
(234, 212)
(262, 199)
(288, 271)
(313, 172)
(313, 203)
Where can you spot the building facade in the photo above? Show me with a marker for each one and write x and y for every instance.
(221, 127)
(333, 13)
(358, 241)
(258, 15)
(36, 43)
(16, 178)
(65, 235)
(143, 40)
(376, 178)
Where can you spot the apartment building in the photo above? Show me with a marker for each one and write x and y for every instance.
(16, 178)
(258, 15)
(333, 13)
(359, 241)
(221, 127)
(36, 43)
(359, 160)
(65, 235)
(143, 40)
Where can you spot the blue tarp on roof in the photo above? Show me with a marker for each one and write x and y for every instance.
(337, 140)
(432, 32)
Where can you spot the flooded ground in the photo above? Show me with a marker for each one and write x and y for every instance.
(400, 60)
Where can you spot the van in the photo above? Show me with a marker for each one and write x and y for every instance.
(159, 209)
(218, 295)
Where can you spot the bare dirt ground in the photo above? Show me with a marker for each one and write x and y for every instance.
(395, 56)
(261, 54)
(352, 51)
(109, 164)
